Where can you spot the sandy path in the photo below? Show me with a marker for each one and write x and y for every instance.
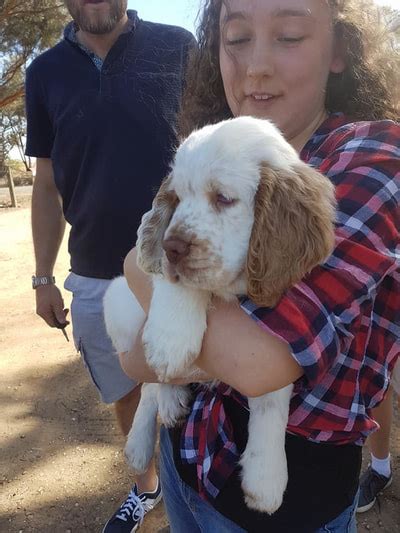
(62, 467)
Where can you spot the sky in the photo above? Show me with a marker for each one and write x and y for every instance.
(183, 12)
(177, 12)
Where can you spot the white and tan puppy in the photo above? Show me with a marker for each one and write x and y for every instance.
(240, 213)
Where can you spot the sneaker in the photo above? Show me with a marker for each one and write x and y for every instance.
(371, 484)
(130, 515)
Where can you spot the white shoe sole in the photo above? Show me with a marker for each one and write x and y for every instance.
(369, 505)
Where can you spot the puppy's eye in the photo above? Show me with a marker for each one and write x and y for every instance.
(223, 200)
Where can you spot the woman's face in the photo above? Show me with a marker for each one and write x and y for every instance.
(275, 57)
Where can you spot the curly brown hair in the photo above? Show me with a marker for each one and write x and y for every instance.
(368, 89)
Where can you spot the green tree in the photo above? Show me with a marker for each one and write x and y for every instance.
(13, 127)
(27, 27)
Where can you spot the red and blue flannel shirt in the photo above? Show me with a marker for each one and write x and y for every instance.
(342, 322)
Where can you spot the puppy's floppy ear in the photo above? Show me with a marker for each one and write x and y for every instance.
(152, 228)
(293, 230)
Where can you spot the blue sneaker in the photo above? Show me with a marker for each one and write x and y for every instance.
(130, 515)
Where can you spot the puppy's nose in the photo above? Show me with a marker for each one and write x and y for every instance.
(176, 249)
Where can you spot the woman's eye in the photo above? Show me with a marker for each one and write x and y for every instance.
(286, 39)
(224, 200)
(241, 40)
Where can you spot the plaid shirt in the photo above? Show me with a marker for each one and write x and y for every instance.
(342, 322)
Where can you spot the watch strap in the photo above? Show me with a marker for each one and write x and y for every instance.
(38, 281)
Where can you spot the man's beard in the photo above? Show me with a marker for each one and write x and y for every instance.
(100, 24)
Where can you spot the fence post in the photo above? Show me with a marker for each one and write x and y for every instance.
(10, 183)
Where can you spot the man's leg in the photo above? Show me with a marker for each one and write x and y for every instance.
(378, 475)
(114, 386)
(125, 409)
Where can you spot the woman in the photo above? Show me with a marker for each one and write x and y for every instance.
(313, 68)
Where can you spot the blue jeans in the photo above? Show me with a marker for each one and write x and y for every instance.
(187, 512)
(344, 523)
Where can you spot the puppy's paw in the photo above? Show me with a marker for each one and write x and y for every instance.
(263, 484)
(168, 360)
(138, 454)
(266, 501)
(165, 368)
(173, 404)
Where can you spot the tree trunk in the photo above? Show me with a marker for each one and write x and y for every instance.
(10, 183)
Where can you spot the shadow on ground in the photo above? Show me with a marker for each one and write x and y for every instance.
(63, 467)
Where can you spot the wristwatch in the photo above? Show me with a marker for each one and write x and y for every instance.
(37, 281)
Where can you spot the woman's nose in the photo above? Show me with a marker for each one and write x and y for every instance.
(260, 61)
(176, 249)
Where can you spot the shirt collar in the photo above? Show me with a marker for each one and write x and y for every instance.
(331, 123)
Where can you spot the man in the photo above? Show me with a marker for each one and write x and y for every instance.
(100, 109)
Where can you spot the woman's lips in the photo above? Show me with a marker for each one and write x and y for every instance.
(262, 97)
(262, 100)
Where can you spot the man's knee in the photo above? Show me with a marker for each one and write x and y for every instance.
(131, 397)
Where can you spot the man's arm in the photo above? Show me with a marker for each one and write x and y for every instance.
(48, 225)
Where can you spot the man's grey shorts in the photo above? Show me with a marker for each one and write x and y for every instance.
(91, 338)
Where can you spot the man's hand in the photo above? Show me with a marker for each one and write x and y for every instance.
(50, 306)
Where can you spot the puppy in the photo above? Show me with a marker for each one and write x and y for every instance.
(240, 213)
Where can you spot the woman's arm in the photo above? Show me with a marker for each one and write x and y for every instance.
(235, 349)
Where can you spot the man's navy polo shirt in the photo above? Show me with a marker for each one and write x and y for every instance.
(110, 134)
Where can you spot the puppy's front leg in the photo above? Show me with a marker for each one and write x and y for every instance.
(264, 466)
(175, 327)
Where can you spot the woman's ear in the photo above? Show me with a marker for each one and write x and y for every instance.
(152, 228)
(338, 65)
(293, 230)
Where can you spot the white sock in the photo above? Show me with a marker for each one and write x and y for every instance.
(382, 466)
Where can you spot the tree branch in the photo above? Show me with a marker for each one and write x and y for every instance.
(10, 13)
(13, 69)
(7, 100)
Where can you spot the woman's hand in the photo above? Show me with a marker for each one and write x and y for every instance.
(134, 362)
(138, 281)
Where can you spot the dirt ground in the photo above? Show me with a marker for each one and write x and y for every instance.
(62, 468)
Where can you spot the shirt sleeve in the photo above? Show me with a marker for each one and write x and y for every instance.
(40, 136)
(330, 310)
